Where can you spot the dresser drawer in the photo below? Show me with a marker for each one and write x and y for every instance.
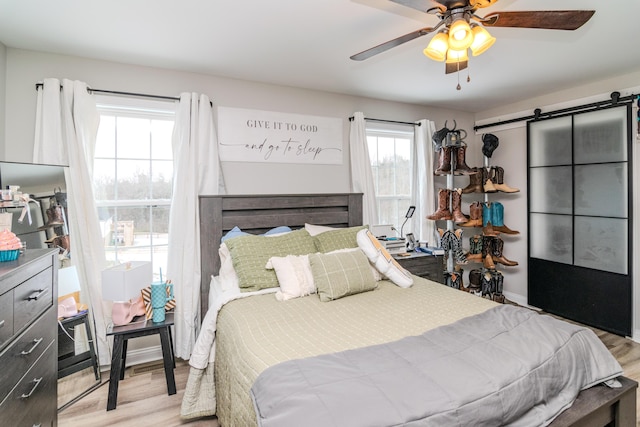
(30, 403)
(6, 318)
(25, 350)
(31, 298)
(16, 272)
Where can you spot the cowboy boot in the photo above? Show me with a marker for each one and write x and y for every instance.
(487, 180)
(444, 162)
(487, 284)
(499, 183)
(496, 253)
(475, 280)
(475, 182)
(475, 249)
(456, 278)
(443, 212)
(496, 213)
(54, 215)
(461, 164)
(475, 216)
(456, 246)
(487, 258)
(498, 279)
(456, 201)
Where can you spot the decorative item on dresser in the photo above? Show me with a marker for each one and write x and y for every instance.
(28, 338)
(424, 265)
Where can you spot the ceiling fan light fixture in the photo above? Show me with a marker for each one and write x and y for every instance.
(437, 47)
(460, 35)
(482, 40)
(454, 56)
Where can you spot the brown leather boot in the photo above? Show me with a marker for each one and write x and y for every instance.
(499, 181)
(475, 216)
(456, 205)
(461, 164)
(444, 162)
(496, 253)
(475, 182)
(443, 212)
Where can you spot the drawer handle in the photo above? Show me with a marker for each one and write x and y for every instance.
(37, 294)
(36, 342)
(1, 323)
(35, 386)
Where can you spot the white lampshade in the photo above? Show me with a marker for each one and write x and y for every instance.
(68, 281)
(125, 281)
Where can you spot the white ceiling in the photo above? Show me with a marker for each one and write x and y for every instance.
(304, 43)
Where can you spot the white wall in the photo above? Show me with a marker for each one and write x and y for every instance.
(511, 154)
(25, 68)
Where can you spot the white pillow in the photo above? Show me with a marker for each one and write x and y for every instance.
(382, 259)
(314, 230)
(228, 277)
(294, 276)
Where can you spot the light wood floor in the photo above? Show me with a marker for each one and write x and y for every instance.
(143, 399)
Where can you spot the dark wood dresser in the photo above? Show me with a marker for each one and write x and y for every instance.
(424, 265)
(28, 339)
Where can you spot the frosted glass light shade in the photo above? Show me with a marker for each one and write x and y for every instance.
(460, 35)
(437, 47)
(457, 56)
(482, 40)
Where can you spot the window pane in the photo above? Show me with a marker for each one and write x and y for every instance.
(162, 179)
(133, 138)
(133, 179)
(106, 137)
(104, 172)
(550, 142)
(161, 132)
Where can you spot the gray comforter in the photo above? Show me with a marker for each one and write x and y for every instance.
(507, 366)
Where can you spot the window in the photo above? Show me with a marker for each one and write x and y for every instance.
(132, 178)
(390, 151)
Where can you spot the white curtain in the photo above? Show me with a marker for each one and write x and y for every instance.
(196, 171)
(422, 187)
(361, 176)
(65, 134)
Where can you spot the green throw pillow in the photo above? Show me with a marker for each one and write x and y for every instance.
(250, 254)
(341, 238)
(340, 274)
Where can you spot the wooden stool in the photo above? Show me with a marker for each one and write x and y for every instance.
(68, 361)
(121, 334)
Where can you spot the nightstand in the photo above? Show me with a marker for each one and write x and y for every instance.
(121, 334)
(68, 361)
(424, 265)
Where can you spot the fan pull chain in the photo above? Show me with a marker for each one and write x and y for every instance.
(458, 74)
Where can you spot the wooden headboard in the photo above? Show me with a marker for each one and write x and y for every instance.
(256, 214)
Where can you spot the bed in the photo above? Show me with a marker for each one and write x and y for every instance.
(220, 381)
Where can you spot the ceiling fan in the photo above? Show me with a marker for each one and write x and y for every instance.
(460, 28)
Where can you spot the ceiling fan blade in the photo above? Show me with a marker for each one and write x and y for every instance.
(544, 19)
(453, 67)
(365, 54)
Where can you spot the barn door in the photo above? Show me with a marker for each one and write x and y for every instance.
(579, 225)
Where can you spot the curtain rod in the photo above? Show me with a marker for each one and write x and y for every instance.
(115, 92)
(388, 121)
(538, 114)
